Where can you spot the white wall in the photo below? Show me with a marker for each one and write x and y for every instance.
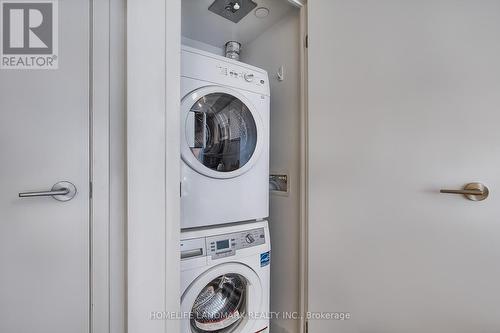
(279, 46)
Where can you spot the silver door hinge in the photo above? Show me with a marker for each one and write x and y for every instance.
(90, 190)
(306, 42)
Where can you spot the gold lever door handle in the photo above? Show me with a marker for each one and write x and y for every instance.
(472, 191)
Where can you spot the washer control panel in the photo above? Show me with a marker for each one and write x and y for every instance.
(221, 246)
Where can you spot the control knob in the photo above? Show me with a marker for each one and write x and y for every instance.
(248, 77)
(249, 238)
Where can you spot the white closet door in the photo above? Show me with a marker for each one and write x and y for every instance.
(44, 155)
(404, 100)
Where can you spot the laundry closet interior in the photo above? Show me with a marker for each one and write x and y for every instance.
(271, 37)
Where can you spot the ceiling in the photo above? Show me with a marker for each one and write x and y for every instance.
(200, 24)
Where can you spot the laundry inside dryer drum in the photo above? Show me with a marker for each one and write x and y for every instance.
(225, 133)
(220, 306)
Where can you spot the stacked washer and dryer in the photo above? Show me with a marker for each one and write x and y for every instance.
(225, 244)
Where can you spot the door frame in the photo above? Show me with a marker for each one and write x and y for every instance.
(99, 166)
(304, 169)
(153, 164)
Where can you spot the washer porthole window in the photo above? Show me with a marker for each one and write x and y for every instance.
(221, 132)
(220, 306)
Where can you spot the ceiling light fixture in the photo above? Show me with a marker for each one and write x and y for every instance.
(261, 12)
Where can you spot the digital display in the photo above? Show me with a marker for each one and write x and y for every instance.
(223, 244)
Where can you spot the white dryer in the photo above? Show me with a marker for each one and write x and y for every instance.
(224, 140)
(225, 274)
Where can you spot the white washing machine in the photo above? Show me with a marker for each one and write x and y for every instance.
(224, 140)
(225, 274)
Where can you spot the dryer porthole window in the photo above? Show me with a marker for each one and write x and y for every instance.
(221, 132)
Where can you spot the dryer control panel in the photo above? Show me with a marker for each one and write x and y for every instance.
(242, 74)
(221, 246)
(214, 69)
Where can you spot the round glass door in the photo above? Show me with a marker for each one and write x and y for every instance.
(220, 300)
(220, 306)
(221, 132)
